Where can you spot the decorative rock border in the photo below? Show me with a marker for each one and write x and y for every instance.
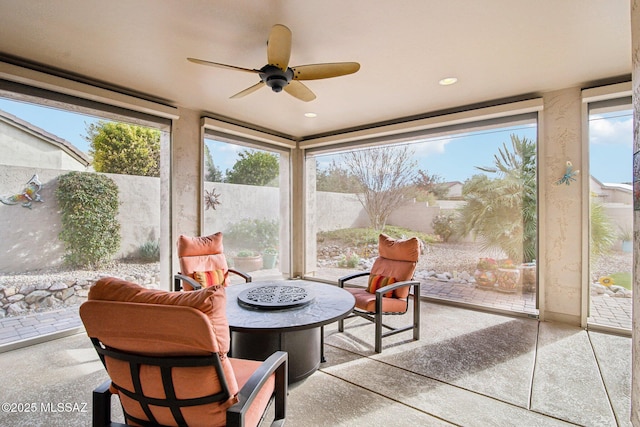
(51, 292)
(612, 291)
(330, 255)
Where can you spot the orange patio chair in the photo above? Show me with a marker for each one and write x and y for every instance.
(202, 263)
(166, 356)
(389, 287)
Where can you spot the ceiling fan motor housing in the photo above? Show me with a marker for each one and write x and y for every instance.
(275, 78)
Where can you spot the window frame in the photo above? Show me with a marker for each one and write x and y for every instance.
(594, 98)
(254, 139)
(427, 128)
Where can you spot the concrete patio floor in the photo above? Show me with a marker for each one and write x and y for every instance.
(608, 312)
(470, 368)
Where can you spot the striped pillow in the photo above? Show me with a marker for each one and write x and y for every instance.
(377, 281)
(209, 278)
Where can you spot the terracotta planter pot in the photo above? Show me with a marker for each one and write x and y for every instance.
(485, 279)
(529, 277)
(248, 263)
(508, 279)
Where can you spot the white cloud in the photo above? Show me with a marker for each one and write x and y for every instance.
(611, 130)
(433, 146)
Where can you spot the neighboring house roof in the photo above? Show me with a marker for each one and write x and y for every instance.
(452, 183)
(613, 185)
(624, 187)
(62, 144)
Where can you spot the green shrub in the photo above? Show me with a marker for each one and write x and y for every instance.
(245, 253)
(360, 237)
(254, 234)
(150, 251)
(89, 209)
(443, 226)
(350, 260)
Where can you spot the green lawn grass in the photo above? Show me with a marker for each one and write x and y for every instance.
(622, 279)
(365, 236)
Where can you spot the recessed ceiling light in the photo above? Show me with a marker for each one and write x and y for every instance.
(310, 115)
(448, 81)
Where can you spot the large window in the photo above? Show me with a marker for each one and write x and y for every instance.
(246, 196)
(611, 213)
(80, 192)
(470, 194)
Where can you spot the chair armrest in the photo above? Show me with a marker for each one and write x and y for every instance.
(277, 363)
(343, 279)
(177, 286)
(102, 406)
(245, 276)
(397, 285)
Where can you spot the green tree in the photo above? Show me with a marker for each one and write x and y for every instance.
(502, 210)
(336, 179)
(124, 149)
(254, 168)
(212, 173)
(427, 184)
(385, 175)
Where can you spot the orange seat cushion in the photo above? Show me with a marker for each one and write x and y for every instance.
(366, 301)
(203, 253)
(398, 259)
(399, 249)
(211, 301)
(243, 370)
(153, 323)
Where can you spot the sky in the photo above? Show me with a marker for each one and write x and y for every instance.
(453, 158)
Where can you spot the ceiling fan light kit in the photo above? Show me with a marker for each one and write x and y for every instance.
(276, 78)
(279, 76)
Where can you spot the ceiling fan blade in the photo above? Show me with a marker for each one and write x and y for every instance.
(215, 64)
(300, 91)
(324, 71)
(279, 47)
(248, 90)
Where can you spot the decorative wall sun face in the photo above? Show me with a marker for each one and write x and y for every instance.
(211, 199)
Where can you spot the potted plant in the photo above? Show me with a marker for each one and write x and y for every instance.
(246, 260)
(485, 273)
(269, 258)
(529, 275)
(507, 276)
(626, 236)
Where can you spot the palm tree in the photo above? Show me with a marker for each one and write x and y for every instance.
(602, 232)
(501, 211)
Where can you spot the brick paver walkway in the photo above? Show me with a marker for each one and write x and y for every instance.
(19, 328)
(605, 311)
(608, 311)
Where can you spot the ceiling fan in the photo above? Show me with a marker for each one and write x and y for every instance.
(278, 75)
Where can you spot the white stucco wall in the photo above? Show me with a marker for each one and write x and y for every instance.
(560, 208)
(29, 237)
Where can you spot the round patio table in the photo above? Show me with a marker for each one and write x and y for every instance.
(259, 326)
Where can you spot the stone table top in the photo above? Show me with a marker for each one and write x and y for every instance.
(330, 303)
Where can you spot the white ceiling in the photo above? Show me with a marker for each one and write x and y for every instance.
(496, 48)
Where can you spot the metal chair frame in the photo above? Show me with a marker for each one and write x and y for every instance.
(376, 317)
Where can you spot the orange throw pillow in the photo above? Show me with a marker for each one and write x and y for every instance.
(209, 278)
(377, 281)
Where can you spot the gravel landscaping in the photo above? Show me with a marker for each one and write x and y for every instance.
(53, 288)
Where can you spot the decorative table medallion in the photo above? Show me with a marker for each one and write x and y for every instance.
(275, 297)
